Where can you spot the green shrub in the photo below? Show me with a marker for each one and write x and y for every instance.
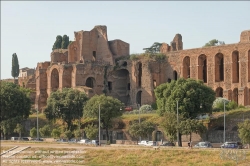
(146, 108)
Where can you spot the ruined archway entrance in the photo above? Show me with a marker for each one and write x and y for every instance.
(66, 78)
(175, 75)
(235, 95)
(139, 66)
(121, 85)
(54, 80)
(219, 67)
(90, 82)
(235, 67)
(202, 68)
(219, 92)
(138, 97)
(186, 67)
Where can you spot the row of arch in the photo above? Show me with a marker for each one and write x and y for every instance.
(219, 67)
(67, 82)
(234, 97)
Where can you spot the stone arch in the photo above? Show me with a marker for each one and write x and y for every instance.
(249, 67)
(120, 81)
(139, 77)
(235, 95)
(202, 68)
(186, 67)
(219, 67)
(219, 92)
(249, 96)
(175, 75)
(138, 97)
(90, 82)
(67, 78)
(54, 79)
(235, 67)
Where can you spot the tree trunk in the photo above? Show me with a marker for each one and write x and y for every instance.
(190, 135)
(107, 134)
(179, 141)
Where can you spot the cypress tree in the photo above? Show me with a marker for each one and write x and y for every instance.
(15, 66)
(58, 42)
(65, 42)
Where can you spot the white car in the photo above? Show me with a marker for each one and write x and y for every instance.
(143, 142)
(83, 141)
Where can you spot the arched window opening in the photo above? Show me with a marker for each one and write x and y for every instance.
(219, 67)
(219, 92)
(90, 82)
(138, 97)
(235, 95)
(235, 67)
(139, 74)
(54, 80)
(202, 68)
(186, 67)
(175, 75)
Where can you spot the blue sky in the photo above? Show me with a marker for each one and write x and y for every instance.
(29, 29)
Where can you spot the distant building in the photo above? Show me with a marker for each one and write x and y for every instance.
(26, 72)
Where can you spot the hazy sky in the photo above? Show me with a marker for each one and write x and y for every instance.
(29, 29)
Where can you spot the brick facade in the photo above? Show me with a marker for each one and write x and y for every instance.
(91, 64)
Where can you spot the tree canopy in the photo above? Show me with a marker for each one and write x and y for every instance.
(155, 48)
(61, 42)
(143, 129)
(15, 106)
(193, 97)
(66, 105)
(15, 66)
(244, 131)
(214, 42)
(109, 108)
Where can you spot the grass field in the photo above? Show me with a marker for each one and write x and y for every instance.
(129, 156)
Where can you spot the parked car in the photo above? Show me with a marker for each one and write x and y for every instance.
(83, 141)
(151, 143)
(61, 140)
(36, 139)
(233, 145)
(203, 145)
(94, 142)
(168, 144)
(72, 140)
(25, 139)
(143, 142)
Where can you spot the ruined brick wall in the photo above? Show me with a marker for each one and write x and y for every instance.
(226, 68)
(119, 48)
(59, 55)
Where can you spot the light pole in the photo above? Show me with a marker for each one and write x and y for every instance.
(37, 134)
(99, 126)
(177, 124)
(138, 105)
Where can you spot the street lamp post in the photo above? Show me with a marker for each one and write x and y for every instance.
(138, 105)
(177, 124)
(99, 126)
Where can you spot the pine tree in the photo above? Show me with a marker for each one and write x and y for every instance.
(15, 66)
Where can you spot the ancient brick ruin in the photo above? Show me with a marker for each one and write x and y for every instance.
(95, 65)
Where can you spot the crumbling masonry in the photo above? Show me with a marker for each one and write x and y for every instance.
(95, 65)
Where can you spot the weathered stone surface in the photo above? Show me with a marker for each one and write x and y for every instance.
(90, 65)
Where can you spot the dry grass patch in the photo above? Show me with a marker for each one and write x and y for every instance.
(162, 157)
